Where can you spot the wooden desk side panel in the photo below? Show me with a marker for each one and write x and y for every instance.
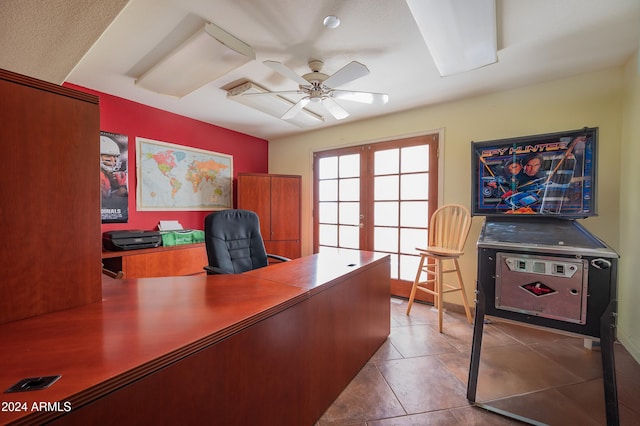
(49, 219)
(350, 321)
(258, 376)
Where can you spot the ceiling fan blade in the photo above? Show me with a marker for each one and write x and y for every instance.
(284, 92)
(363, 97)
(286, 71)
(336, 110)
(351, 71)
(295, 109)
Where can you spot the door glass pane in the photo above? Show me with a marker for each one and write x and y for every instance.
(328, 213)
(328, 168)
(385, 213)
(414, 214)
(328, 190)
(349, 189)
(350, 213)
(394, 266)
(386, 162)
(408, 267)
(328, 235)
(385, 239)
(415, 186)
(385, 188)
(415, 159)
(350, 166)
(350, 236)
(411, 238)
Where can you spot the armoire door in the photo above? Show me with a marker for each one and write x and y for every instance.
(276, 200)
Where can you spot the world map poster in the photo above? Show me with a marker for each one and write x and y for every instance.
(177, 177)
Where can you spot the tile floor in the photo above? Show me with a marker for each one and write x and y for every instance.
(419, 377)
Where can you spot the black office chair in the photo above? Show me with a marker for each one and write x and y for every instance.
(234, 243)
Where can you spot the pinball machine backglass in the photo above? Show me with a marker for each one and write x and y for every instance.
(550, 174)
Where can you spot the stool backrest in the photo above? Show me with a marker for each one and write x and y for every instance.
(450, 227)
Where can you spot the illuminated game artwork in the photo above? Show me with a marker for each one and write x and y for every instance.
(550, 174)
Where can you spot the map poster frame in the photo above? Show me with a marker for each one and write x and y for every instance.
(150, 168)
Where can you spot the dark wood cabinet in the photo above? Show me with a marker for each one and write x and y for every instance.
(276, 200)
(50, 205)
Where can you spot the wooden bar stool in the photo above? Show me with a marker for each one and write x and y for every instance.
(448, 231)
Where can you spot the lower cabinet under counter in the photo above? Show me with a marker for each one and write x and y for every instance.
(180, 260)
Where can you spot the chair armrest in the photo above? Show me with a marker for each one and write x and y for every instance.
(212, 270)
(280, 258)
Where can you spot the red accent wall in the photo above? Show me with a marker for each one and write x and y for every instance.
(118, 115)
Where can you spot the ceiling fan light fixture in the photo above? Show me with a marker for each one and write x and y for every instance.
(249, 94)
(460, 34)
(331, 21)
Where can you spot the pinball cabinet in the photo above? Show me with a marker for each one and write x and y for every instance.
(536, 263)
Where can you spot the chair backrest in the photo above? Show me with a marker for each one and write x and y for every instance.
(450, 227)
(233, 241)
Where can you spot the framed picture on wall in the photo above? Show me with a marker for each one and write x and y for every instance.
(114, 177)
(177, 177)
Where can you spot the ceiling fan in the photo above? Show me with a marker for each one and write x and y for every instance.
(320, 87)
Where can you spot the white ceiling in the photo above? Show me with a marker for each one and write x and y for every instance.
(538, 40)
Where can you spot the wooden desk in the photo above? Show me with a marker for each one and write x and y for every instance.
(187, 259)
(237, 349)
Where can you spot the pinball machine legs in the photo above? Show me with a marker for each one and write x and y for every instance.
(607, 339)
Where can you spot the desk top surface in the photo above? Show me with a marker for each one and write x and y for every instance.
(317, 271)
(144, 324)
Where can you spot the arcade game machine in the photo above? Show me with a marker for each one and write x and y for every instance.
(536, 264)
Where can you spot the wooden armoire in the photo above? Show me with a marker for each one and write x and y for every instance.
(49, 198)
(276, 199)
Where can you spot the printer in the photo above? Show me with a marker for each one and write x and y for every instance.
(130, 240)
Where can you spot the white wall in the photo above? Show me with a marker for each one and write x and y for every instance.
(629, 282)
(591, 100)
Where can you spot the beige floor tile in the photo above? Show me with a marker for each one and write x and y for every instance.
(549, 407)
(420, 340)
(367, 397)
(423, 384)
(419, 376)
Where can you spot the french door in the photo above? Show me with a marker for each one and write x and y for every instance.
(377, 197)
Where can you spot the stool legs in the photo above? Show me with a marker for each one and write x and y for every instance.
(465, 302)
(437, 287)
(435, 274)
(416, 282)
